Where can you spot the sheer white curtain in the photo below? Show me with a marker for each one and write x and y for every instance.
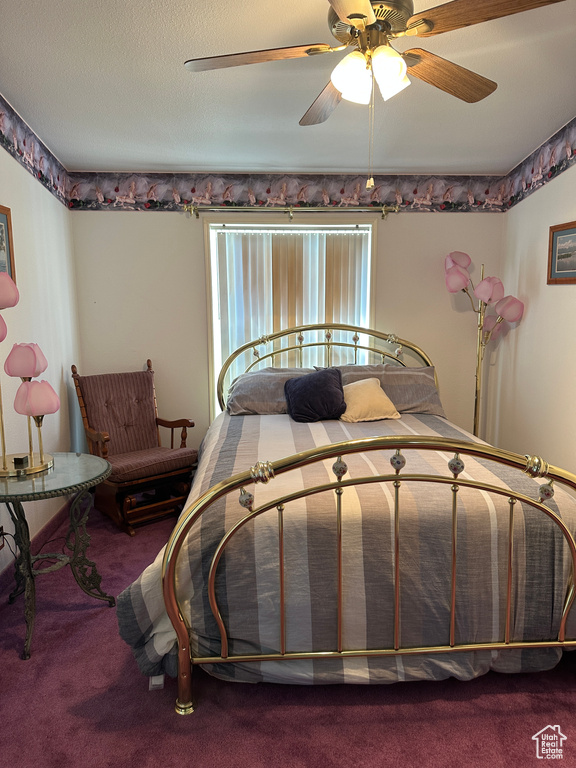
(268, 278)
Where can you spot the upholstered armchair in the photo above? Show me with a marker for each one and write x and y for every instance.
(121, 423)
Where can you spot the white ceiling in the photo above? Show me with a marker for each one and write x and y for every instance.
(102, 83)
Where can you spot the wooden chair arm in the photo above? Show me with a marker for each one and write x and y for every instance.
(185, 424)
(97, 442)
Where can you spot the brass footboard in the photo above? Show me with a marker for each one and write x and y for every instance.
(397, 476)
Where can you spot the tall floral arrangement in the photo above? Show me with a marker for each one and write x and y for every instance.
(493, 308)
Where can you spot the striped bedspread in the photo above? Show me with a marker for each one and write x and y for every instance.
(248, 579)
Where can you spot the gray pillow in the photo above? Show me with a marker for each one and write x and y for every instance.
(261, 392)
(412, 390)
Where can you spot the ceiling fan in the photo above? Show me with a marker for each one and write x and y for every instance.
(367, 26)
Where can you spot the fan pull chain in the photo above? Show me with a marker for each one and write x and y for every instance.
(370, 181)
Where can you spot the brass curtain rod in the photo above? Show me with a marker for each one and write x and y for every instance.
(290, 209)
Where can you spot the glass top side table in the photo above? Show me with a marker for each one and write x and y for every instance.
(73, 474)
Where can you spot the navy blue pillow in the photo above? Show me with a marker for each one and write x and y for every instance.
(316, 396)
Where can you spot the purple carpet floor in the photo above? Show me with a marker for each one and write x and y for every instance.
(80, 701)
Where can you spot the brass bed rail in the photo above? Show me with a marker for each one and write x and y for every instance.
(266, 471)
(379, 347)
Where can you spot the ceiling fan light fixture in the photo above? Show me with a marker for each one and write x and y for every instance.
(392, 88)
(361, 93)
(389, 70)
(353, 78)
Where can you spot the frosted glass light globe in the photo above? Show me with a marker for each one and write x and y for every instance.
(353, 78)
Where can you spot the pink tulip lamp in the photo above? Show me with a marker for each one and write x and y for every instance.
(493, 309)
(34, 399)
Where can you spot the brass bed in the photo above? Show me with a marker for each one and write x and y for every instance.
(409, 551)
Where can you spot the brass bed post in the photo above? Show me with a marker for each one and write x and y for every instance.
(455, 489)
(339, 468)
(396, 564)
(184, 704)
(281, 575)
(511, 502)
(339, 492)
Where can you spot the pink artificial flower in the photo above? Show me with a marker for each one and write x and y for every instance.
(3, 329)
(510, 308)
(490, 290)
(25, 361)
(456, 279)
(36, 398)
(9, 294)
(458, 259)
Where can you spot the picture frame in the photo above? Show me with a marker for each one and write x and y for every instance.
(6, 243)
(562, 254)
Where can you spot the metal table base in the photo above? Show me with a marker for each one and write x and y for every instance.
(72, 474)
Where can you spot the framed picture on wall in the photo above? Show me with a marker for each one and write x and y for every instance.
(562, 254)
(6, 247)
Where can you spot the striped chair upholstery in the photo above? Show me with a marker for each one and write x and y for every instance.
(121, 423)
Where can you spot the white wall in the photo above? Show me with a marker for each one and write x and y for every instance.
(412, 300)
(142, 293)
(45, 314)
(535, 410)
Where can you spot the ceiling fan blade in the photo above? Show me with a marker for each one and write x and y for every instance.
(255, 57)
(323, 106)
(359, 13)
(464, 13)
(447, 76)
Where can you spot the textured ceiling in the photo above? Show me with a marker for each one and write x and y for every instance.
(102, 83)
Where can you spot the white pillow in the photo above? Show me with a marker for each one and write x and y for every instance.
(367, 401)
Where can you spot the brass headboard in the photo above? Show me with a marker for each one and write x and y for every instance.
(288, 348)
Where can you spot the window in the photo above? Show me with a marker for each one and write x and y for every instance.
(265, 278)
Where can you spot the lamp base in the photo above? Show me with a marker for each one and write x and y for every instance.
(18, 464)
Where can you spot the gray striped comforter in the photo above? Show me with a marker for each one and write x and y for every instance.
(248, 583)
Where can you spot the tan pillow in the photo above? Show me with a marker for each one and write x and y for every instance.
(367, 401)
(412, 390)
